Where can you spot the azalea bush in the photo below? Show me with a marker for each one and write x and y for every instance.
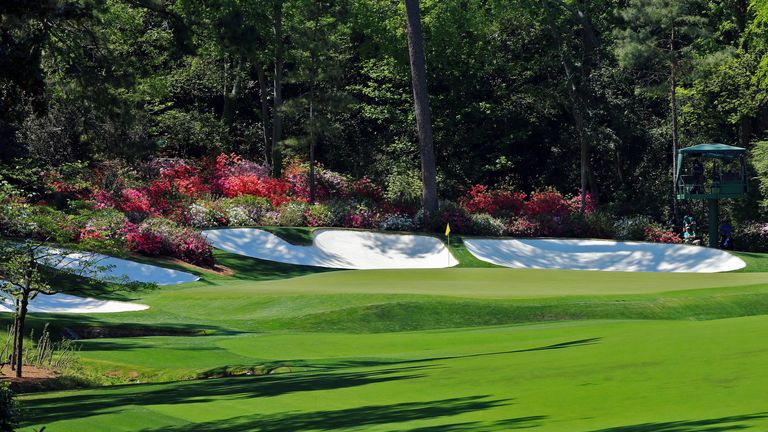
(135, 204)
(205, 214)
(523, 227)
(448, 212)
(655, 233)
(487, 225)
(365, 190)
(239, 216)
(548, 204)
(546, 212)
(590, 206)
(362, 215)
(234, 176)
(328, 183)
(318, 215)
(180, 177)
(752, 236)
(274, 190)
(157, 236)
(143, 240)
(481, 199)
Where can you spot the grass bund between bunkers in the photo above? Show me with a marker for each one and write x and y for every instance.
(278, 347)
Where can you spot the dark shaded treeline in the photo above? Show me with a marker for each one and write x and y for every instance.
(523, 93)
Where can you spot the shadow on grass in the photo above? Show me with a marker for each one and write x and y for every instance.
(372, 363)
(353, 417)
(116, 398)
(248, 268)
(501, 425)
(79, 326)
(722, 424)
(465, 257)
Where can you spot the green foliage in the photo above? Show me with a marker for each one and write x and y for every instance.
(9, 411)
(129, 80)
(487, 225)
(759, 158)
(319, 215)
(293, 214)
(191, 132)
(404, 189)
(632, 227)
(751, 236)
(648, 37)
(598, 224)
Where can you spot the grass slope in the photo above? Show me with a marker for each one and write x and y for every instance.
(586, 376)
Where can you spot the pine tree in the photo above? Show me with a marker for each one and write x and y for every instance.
(661, 33)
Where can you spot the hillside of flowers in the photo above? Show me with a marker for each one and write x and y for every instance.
(158, 208)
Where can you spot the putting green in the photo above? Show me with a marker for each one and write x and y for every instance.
(392, 300)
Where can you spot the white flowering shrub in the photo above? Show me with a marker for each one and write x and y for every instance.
(487, 225)
(292, 214)
(197, 216)
(239, 216)
(398, 222)
(270, 218)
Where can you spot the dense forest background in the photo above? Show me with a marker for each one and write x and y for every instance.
(523, 93)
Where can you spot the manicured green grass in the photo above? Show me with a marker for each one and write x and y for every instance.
(756, 262)
(428, 350)
(586, 376)
(392, 300)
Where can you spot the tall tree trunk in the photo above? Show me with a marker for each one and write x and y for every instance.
(314, 72)
(19, 348)
(421, 106)
(277, 125)
(312, 183)
(673, 104)
(230, 97)
(264, 112)
(745, 131)
(15, 335)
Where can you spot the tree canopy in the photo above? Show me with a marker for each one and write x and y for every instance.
(523, 94)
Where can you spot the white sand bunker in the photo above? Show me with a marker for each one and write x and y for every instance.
(102, 267)
(116, 269)
(606, 255)
(63, 303)
(338, 249)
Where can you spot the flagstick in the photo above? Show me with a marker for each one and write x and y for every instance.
(448, 247)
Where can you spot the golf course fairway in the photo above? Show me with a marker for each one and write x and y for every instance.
(608, 376)
(275, 347)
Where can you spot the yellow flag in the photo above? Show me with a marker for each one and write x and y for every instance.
(447, 229)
